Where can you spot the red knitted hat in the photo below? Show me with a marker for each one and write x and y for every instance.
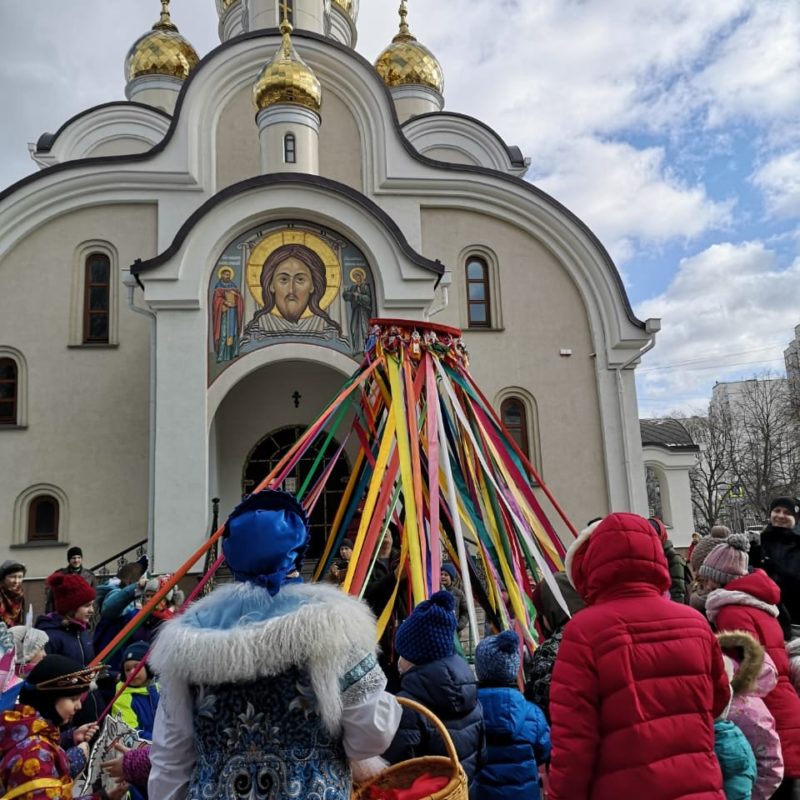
(70, 592)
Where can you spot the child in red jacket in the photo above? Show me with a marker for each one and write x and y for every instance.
(748, 601)
(638, 680)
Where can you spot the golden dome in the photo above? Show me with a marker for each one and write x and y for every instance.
(407, 62)
(161, 51)
(286, 78)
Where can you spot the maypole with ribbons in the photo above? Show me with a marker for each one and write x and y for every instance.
(433, 462)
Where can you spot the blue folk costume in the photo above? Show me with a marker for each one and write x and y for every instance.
(222, 730)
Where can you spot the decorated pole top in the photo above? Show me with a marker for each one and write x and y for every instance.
(391, 336)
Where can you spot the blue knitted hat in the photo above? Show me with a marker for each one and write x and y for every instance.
(450, 570)
(428, 634)
(497, 658)
(265, 539)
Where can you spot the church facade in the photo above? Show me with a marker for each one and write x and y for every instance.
(213, 249)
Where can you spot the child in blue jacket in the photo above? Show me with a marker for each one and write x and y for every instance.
(138, 702)
(517, 733)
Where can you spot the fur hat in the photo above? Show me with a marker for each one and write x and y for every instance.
(9, 567)
(70, 592)
(27, 642)
(74, 551)
(790, 504)
(701, 551)
(727, 561)
(429, 632)
(265, 539)
(497, 658)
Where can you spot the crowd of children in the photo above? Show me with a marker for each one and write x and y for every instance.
(646, 682)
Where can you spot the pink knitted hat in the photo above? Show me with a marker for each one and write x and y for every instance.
(727, 561)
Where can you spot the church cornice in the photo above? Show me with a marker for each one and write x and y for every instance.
(288, 179)
(45, 143)
(513, 152)
(455, 170)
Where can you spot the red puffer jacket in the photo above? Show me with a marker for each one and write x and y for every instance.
(638, 680)
(750, 604)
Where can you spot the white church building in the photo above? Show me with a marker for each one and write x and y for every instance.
(212, 249)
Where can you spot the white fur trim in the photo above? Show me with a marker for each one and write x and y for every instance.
(720, 598)
(582, 539)
(327, 633)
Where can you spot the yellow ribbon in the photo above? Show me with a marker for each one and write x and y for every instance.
(406, 476)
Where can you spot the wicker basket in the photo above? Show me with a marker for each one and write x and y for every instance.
(402, 775)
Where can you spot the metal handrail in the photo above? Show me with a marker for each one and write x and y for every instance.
(138, 548)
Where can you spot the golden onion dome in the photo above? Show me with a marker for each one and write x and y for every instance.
(286, 78)
(161, 51)
(407, 62)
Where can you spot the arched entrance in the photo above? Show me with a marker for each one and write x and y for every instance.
(274, 446)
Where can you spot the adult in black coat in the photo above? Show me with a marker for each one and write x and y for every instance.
(780, 552)
(433, 675)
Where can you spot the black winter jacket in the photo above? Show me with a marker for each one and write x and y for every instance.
(448, 688)
(780, 559)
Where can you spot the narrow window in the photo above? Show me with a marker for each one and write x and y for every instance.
(512, 412)
(479, 315)
(97, 283)
(289, 149)
(43, 519)
(8, 391)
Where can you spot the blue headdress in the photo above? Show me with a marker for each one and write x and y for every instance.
(265, 539)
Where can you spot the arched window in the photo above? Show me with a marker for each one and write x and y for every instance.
(515, 418)
(8, 391)
(96, 299)
(289, 149)
(479, 314)
(43, 514)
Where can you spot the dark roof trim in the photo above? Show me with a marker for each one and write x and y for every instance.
(512, 151)
(348, 52)
(47, 140)
(668, 433)
(288, 179)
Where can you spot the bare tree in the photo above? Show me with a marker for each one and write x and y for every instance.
(764, 450)
(710, 479)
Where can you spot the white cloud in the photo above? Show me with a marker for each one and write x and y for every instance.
(756, 72)
(627, 194)
(779, 180)
(729, 311)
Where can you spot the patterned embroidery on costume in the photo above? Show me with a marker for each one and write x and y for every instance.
(263, 740)
(361, 681)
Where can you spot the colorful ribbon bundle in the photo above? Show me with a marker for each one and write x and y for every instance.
(436, 464)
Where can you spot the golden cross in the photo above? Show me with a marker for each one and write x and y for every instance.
(286, 8)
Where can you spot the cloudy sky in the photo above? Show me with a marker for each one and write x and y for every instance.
(672, 127)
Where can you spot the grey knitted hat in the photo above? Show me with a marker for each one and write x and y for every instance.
(27, 642)
(727, 561)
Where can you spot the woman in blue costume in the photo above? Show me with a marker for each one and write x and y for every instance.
(270, 687)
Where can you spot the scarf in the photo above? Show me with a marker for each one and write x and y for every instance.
(719, 598)
(12, 604)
